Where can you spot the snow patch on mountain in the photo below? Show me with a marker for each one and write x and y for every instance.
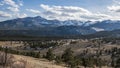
(97, 29)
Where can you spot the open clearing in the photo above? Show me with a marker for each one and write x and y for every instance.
(37, 63)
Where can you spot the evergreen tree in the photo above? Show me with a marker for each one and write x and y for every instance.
(68, 58)
(58, 59)
(117, 63)
(37, 55)
(49, 55)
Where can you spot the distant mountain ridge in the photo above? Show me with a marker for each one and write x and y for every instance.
(42, 27)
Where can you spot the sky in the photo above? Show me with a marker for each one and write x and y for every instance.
(61, 9)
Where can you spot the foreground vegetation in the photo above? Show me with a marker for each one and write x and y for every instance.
(68, 57)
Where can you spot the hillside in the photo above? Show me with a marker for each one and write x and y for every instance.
(37, 63)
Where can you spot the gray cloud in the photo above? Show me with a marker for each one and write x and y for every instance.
(114, 8)
(10, 2)
(13, 9)
(70, 12)
(4, 14)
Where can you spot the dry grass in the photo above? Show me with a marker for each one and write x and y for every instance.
(37, 63)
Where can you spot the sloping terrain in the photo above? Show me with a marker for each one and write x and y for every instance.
(37, 63)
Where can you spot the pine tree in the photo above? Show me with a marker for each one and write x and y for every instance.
(68, 57)
(49, 55)
(58, 59)
(117, 63)
(37, 55)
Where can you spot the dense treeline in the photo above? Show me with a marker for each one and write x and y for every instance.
(26, 53)
(40, 44)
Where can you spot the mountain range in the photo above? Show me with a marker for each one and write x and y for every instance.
(38, 26)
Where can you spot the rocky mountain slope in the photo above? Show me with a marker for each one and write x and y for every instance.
(38, 26)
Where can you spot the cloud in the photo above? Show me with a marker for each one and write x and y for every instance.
(98, 16)
(20, 2)
(114, 8)
(1, 4)
(67, 9)
(70, 13)
(116, 2)
(10, 2)
(33, 11)
(21, 15)
(13, 6)
(13, 9)
(4, 14)
(63, 12)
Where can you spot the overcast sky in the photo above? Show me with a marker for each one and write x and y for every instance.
(61, 9)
